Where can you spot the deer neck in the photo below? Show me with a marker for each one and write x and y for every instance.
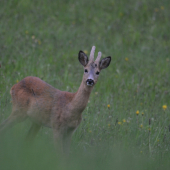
(81, 97)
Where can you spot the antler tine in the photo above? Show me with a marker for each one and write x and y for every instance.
(99, 56)
(92, 53)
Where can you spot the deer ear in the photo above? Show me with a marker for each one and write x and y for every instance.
(83, 59)
(104, 63)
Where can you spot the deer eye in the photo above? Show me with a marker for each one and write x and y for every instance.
(86, 71)
(97, 73)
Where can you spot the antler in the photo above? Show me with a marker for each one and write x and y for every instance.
(98, 57)
(92, 53)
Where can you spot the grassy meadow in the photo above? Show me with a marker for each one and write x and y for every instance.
(126, 124)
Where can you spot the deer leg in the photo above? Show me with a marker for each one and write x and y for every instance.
(67, 142)
(33, 132)
(11, 121)
(58, 140)
(62, 141)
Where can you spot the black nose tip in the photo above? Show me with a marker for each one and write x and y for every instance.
(90, 81)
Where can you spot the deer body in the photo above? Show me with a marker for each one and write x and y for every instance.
(47, 106)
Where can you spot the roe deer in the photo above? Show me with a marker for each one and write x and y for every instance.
(48, 106)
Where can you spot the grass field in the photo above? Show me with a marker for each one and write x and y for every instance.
(43, 38)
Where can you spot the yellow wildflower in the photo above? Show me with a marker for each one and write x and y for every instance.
(108, 105)
(124, 120)
(142, 113)
(158, 140)
(149, 129)
(140, 151)
(164, 107)
(120, 14)
(85, 51)
(126, 59)
(17, 81)
(156, 9)
(162, 7)
(26, 32)
(137, 112)
(90, 131)
(39, 42)
(109, 125)
(141, 126)
(119, 123)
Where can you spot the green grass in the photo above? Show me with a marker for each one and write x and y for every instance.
(43, 38)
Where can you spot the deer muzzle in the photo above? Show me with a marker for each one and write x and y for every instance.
(90, 82)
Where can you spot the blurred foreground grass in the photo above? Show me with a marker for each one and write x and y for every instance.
(42, 38)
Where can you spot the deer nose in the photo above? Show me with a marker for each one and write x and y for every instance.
(90, 82)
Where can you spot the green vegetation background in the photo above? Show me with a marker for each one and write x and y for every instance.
(43, 38)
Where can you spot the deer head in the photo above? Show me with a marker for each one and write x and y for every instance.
(92, 68)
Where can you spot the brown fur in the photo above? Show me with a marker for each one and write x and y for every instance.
(46, 106)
